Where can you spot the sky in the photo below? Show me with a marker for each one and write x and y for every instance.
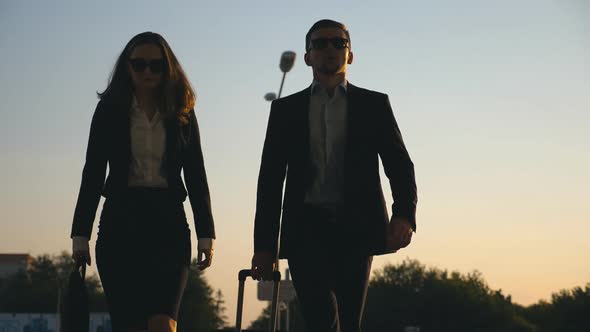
(492, 98)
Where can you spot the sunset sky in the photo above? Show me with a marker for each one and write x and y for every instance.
(492, 98)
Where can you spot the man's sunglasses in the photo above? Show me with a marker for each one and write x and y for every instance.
(322, 43)
(139, 65)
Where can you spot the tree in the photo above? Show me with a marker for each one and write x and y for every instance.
(409, 294)
(296, 321)
(36, 290)
(199, 311)
(568, 311)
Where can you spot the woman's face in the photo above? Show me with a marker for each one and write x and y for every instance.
(146, 64)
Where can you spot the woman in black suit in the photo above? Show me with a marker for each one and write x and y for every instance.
(145, 128)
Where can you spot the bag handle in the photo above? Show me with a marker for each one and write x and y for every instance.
(80, 267)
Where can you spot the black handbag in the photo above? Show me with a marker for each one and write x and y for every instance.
(74, 313)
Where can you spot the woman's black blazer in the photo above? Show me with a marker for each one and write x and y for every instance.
(110, 142)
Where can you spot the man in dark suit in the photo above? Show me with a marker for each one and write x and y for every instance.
(327, 140)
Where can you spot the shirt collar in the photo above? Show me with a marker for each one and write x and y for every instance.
(135, 105)
(316, 87)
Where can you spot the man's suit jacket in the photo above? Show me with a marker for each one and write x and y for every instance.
(110, 142)
(372, 132)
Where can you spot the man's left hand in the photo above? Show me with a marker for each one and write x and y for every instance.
(399, 234)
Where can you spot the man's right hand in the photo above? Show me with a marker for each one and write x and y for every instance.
(80, 251)
(263, 264)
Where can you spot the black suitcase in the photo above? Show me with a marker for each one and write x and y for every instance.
(242, 275)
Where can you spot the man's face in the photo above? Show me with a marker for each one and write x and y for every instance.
(330, 51)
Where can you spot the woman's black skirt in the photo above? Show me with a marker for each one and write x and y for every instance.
(143, 254)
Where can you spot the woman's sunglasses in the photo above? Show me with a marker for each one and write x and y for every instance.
(139, 65)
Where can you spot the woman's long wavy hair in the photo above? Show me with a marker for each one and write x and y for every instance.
(175, 94)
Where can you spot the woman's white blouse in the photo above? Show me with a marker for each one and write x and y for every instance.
(148, 144)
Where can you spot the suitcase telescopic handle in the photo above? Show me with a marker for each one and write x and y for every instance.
(242, 276)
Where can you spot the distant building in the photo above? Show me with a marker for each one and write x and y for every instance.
(36, 322)
(12, 263)
(28, 322)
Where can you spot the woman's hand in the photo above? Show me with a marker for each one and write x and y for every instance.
(81, 250)
(204, 263)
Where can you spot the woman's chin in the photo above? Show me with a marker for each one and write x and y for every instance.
(150, 85)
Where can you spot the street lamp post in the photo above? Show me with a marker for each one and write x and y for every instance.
(286, 63)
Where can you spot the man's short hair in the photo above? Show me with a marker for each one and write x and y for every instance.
(322, 24)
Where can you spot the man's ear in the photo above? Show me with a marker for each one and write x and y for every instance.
(306, 58)
(350, 57)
